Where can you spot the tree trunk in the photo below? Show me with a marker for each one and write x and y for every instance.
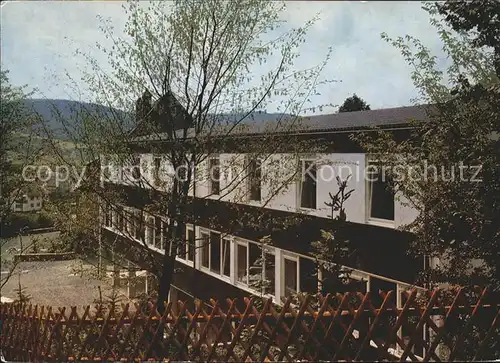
(166, 278)
(177, 209)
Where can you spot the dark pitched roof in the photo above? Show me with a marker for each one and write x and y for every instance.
(345, 121)
(363, 119)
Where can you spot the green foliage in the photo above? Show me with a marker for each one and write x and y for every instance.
(258, 278)
(480, 19)
(16, 221)
(14, 119)
(201, 56)
(354, 103)
(459, 209)
(332, 251)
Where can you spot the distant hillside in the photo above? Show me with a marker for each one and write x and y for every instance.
(54, 111)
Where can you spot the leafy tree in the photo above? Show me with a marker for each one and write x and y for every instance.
(354, 103)
(481, 19)
(17, 147)
(448, 169)
(192, 63)
(333, 249)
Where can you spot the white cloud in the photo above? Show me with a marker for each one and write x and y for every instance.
(39, 40)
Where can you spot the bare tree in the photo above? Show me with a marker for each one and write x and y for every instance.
(193, 63)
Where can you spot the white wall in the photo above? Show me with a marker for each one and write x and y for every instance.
(280, 184)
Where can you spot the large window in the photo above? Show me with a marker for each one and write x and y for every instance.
(182, 248)
(136, 168)
(121, 219)
(255, 181)
(159, 233)
(379, 193)
(205, 249)
(214, 175)
(291, 276)
(108, 215)
(115, 217)
(307, 185)
(138, 225)
(261, 274)
(215, 252)
(190, 244)
(242, 263)
(150, 231)
(156, 170)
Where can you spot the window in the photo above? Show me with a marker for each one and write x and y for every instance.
(182, 248)
(127, 216)
(226, 257)
(308, 275)
(115, 218)
(191, 244)
(120, 225)
(241, 264)
(214, 175)
(136, 168)
(261, 274)
(269, 272)
(19, 205)
(255, 179)
(106, 167)
(291, 281)
(380, 194)
(38, 204)
(205, 249)
(32, 205)
(215, 252)
(156, 169)
(159, 233)
(307, 185)
(138, 225)
(107, 215)
(150, 231)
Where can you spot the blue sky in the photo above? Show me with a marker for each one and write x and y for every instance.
(39, 39)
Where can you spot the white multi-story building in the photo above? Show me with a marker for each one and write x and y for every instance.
(27, 203)
(219, 258)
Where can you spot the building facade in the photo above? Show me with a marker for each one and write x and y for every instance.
(290, 190)
(27, 203)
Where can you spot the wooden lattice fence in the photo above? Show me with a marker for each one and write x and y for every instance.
(433, 326)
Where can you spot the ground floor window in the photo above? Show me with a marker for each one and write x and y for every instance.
(242, 263)
(150, 231)
(291, 276)
(205, 249)
(190, 244)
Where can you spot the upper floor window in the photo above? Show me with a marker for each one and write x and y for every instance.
(380, 194)
(156, 169)
(115, 217)
(307, 185)
(255, 179)
(214, 175)
(120, 213)
(107, 215)
(136, 168)
(150, 231)
(291, 276)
